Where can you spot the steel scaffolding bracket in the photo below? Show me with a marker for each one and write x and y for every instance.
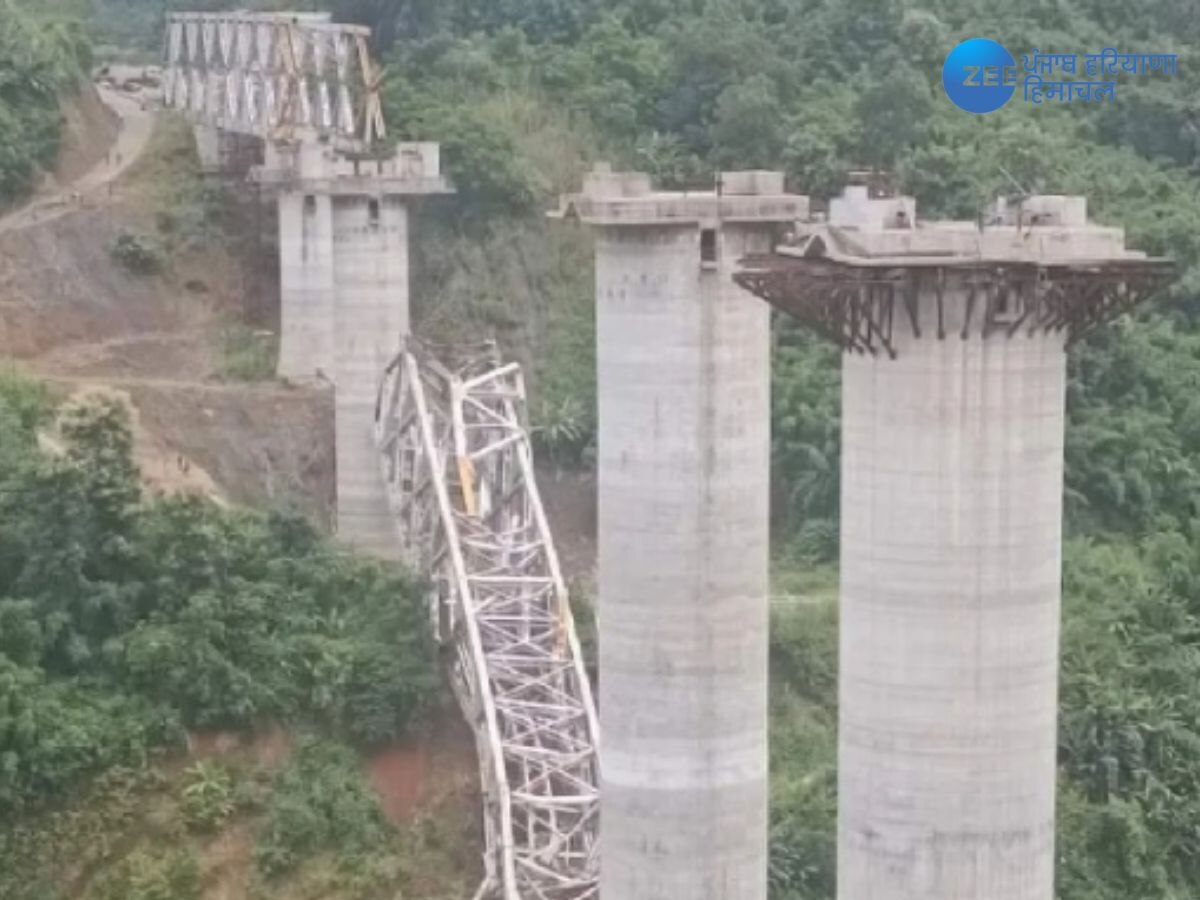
(458, 468)
(856, 305)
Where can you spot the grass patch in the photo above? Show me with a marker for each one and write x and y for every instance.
(248, 354)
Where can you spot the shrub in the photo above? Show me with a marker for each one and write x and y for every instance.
(142, 876)
(320, 802)
(138, 253)
(208, 796)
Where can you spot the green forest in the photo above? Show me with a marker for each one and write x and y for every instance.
(44, 51)
(124, 620)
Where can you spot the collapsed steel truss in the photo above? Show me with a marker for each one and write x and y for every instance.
(857, 307)
(274, 76)
(459, 473)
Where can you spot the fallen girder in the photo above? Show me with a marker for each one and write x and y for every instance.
(458, 467)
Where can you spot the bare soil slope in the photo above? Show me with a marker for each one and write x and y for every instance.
(74, 315)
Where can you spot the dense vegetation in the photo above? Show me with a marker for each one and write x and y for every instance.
(524, 95)
(125, 620)
(42, 57)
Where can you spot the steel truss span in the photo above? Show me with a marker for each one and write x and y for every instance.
(857, 307)
(274, 76)
(458, 468)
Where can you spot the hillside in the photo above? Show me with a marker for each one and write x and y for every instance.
(524, 96)
(136, 417)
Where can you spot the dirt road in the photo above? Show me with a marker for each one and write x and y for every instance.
(136, 113)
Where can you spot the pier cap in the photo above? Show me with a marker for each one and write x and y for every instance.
(1030, 265)
(413, 169)
(627, 199)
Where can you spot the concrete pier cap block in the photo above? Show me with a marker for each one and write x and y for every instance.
(752, 183)
(855, 208)
(1046, 228)
(1044, 210)
(619, 199)
(412, 169)
(603, 182)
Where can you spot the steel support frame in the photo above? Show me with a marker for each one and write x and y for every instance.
(274, 76)
(458, 467)
(856, 307)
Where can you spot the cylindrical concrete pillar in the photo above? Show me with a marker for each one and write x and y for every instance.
(306, 285)
(952, 464)
(370, 241)
(683, 378)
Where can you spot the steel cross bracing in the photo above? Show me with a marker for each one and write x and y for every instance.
(458, 468)
(857, 306)
(278, 76)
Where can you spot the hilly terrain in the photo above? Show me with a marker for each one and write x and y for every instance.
(148, 750)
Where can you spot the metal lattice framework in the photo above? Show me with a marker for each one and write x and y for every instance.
(459, 472)
(276, 76)
(857, 305)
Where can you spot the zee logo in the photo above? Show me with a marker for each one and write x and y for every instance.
(979, 75)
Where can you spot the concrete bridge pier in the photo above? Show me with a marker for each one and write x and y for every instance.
(683, 359)
(953, 396)
(343, 243)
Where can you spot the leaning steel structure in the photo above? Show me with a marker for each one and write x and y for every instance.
(458, 466)
(953, 395)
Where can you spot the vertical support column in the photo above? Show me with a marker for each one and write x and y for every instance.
(371, 276)
(684, 393)
(343, 228)
(683, 359)
(306, 285)
(952, 464)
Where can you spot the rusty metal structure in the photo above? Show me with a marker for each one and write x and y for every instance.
(855, 302)
(277, 76)
(458, 467)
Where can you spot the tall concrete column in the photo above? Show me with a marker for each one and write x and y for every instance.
(370, 237)
(343, 227)
(952, 465)
(953, 389)
(684, 443)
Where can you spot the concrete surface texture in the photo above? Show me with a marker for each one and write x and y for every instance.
(951, 512)
(951, 550)
(306, 311)
(371, 278)
(683, 381)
